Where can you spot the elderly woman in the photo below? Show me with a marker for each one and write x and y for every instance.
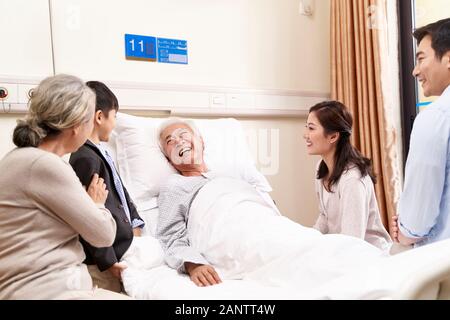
(43, 206)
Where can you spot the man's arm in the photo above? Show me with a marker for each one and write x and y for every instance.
(172, 228)
(398, 236)
(419, 205)
(174, 202)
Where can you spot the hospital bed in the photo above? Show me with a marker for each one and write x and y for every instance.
(422, 273)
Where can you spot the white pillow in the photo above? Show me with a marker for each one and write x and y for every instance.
(141, 164)
(144, 168)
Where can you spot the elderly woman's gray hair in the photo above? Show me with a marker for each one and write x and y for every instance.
(174, 120)
(57, 103)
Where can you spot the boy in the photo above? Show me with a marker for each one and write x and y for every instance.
(104, 263)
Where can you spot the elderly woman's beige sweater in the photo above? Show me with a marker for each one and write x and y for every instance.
(43, 209)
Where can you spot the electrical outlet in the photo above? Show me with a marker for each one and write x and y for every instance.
(3, 93)
(24, 92)
(8, 92)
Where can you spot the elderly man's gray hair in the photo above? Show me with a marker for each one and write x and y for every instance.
(174, 120)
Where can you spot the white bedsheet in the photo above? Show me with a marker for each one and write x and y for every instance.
(261, 255)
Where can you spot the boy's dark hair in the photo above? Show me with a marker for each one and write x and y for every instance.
(105, 98)
(439, 32)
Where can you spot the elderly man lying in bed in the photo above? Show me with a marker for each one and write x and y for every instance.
(217, 226)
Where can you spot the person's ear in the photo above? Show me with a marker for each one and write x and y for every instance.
(447, 59)
(98, 117)
(75, 129)
(334, 137)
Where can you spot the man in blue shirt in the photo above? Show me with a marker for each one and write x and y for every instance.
(424, 207)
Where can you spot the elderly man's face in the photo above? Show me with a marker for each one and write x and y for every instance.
(181, 145)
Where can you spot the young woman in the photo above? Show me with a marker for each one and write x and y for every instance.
(345, 179)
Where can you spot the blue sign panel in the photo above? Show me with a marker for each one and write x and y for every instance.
(140, 47)
(172, 51)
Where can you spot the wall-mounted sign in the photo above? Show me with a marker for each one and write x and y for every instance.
(172, 51)
(163, 50)
(140, 47)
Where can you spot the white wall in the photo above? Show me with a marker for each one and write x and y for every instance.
(25, 39)
(258, 44)
(293, 184)
(268, 46)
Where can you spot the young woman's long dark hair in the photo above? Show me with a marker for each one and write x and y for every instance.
(334, 117)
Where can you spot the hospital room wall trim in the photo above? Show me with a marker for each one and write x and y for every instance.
(177, 87)
(186, 99)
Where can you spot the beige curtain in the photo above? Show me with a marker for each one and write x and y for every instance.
(358, 48)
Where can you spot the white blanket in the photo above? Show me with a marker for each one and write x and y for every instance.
(262, 255)
(244, 238)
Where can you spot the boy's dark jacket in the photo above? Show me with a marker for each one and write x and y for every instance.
(87, 161)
